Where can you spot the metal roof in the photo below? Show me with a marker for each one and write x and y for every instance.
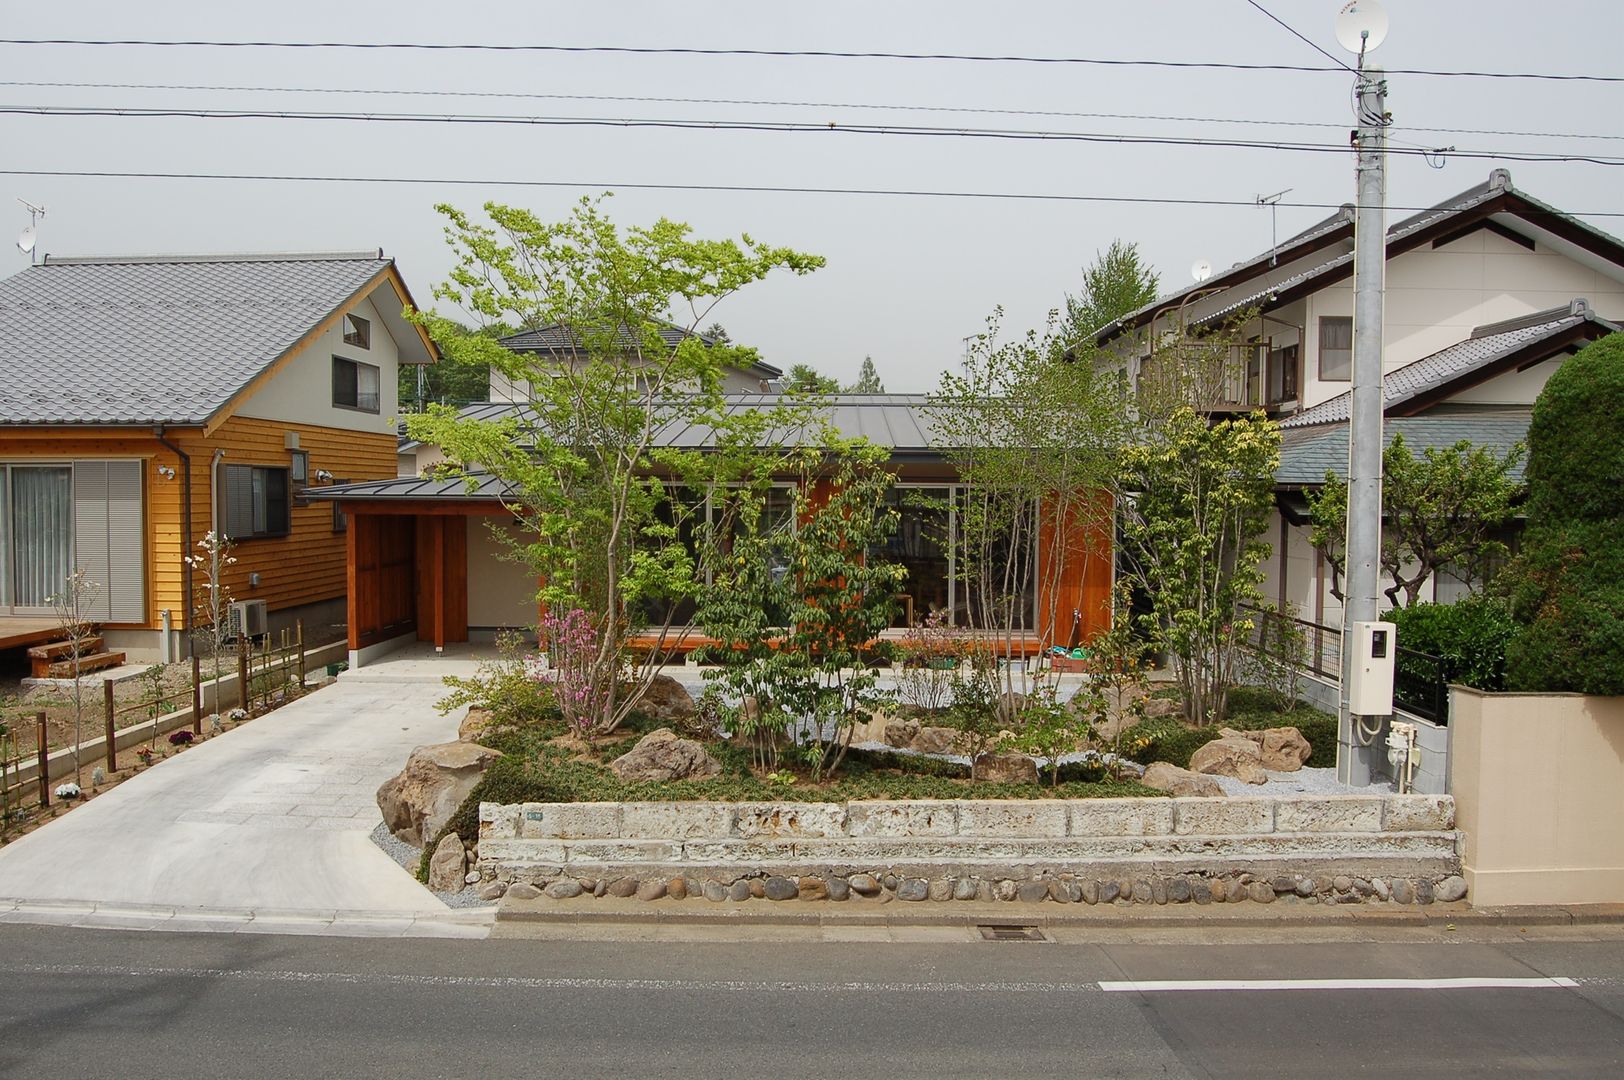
(476, 487)
(556, 338)
(1307, 454)
(158, 339)
(1487, 345)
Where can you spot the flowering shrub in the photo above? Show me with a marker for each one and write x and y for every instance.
(69, 790)
(237, 716)
(183, 737)
(571, 643)
(145, 754)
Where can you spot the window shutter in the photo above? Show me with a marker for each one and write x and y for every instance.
(237, 501)
(126, 543)
(90, 535)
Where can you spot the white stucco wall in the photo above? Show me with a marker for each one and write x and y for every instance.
(501, 592)
(301, 391)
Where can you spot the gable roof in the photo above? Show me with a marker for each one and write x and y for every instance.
(1307, 454)
(1489, 351)
(159, 339)
(1331, 240)
(555, 339)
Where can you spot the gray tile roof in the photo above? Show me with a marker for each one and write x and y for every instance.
(157, 339)
(555, 338)
(1306, 454)
(1446, 365)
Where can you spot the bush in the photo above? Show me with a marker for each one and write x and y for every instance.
(1172, 742)
(1566, 589)
(1470, 637)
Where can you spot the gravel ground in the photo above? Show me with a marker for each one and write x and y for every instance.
(1303, 781)
(408, 857)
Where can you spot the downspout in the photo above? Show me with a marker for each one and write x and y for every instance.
(185, 524)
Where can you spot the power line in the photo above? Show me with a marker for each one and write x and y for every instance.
(1294, 33)
(781, 103)
(787, 53)
(775, 189)
(777, 127)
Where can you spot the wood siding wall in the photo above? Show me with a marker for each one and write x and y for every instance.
(306, 566)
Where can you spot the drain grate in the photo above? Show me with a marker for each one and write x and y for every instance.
(1009, 932)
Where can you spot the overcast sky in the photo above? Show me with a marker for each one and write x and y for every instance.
(907, 277)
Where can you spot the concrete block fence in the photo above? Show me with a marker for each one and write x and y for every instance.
(1303, 836)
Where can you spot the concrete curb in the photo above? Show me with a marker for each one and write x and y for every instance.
(91, 914)
(968, 915)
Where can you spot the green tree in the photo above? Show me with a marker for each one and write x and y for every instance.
(582, 463)
(456, 379)
(1195, 501)
(868, 379)
(1440, 509)
(1567, 585)
(805, 379)
(1036, 440)
(1117, 282)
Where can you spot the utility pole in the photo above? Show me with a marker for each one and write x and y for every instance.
(1355, 752)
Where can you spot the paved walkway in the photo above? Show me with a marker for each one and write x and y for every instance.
(266, 824)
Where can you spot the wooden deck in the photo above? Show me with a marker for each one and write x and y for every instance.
(17, 631)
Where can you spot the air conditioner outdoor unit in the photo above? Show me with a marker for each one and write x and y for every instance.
(249, 618)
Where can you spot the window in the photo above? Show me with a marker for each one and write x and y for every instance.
(1283, 375)
(357, 332)
(355, 385)
(254, 501)
(1336, 348)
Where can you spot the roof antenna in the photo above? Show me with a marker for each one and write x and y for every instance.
(1273, 203)
(28, 241)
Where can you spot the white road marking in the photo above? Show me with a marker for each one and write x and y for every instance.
(1157, 986)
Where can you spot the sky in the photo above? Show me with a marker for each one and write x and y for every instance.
(909, 278)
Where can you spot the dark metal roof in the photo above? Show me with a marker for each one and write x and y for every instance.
(158, 339)
(1307, 454)
(556, 339)
(475, 487)
(1486, 346)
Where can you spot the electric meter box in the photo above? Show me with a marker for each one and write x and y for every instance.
(1371, 691)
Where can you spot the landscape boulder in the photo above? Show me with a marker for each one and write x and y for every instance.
(1282, 749)
(474, 725)
(667, 700)
(1239, 758)
(662, 755)
(417, 803)
(448, 865)
(1176, 781)
(912, 735)
(1006, 768)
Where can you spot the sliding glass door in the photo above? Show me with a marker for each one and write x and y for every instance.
(40, 534)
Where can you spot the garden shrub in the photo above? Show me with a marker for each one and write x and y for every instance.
(1566, 588)
(1469, 636)
(1172, 742)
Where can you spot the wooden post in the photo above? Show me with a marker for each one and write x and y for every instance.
(112, 741)
(298, 643)
(197, 696)
(242, 672)
(41, 739)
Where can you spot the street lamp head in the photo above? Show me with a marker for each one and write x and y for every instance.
(1361, 25)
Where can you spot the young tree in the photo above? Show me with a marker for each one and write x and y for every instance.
(805, 379)
(1567, 584)
(582, 461)
(73, 622)
(1117, 282)
(1440, 509)
(211, 607)
(1036, 437)
(1195, 502)
(868, 379)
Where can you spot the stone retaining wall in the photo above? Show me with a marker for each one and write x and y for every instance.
(1286, 840)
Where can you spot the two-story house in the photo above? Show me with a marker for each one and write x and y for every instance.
(1485, 295)
(146, 401)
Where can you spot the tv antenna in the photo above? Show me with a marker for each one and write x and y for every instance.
(1273, 203)
(28, 240)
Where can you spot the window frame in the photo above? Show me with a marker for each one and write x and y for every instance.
(263, 497)
(1324, 321)
(356, 367)
(357, 331)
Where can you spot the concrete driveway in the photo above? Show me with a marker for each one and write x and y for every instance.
(266, 824)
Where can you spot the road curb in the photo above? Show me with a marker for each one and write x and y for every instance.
(966, 916)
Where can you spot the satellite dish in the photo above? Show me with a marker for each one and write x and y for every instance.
(1361, 25)
(25, 242)
(1201, 269)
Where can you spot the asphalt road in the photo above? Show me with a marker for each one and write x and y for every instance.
(87, 1003)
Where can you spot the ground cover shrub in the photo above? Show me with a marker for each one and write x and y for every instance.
(1469, 636)
(1167, 739)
